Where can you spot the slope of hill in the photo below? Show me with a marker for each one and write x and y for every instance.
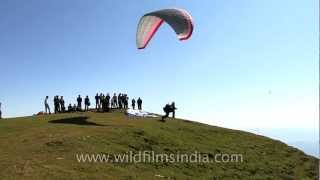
(49, 147)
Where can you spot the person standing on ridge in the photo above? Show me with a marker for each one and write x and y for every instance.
(103, 102)
(62, 105)
(79, 100)
(86, 103)
(173, 109)
(114, 101)
(119, 101)
(97, 97)
(100, 101)
(133, 103)
(125, 101)
(46, 105)
(139, 102)
(108, 102)
(56, 104)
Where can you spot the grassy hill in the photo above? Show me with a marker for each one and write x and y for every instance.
(46, 147)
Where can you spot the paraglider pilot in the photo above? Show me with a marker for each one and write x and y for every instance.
(168, 109)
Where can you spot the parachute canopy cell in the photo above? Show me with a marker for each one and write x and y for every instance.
(179, 19)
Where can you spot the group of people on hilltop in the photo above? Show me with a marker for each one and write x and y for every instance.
(103, 103)
(58, 102)
(120, 101)
(79, 104)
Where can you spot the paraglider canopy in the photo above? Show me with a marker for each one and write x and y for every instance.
(179, 19)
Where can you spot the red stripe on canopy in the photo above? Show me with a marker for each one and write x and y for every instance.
(152, 31)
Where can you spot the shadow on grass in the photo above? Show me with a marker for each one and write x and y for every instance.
(75, 120)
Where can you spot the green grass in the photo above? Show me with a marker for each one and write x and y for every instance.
(34, 148)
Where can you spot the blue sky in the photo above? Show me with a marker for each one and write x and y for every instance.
(249, 64)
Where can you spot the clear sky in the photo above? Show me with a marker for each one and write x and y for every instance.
(249, 64)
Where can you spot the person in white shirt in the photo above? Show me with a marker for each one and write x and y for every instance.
(46, 105)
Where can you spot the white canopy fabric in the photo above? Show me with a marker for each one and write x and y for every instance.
(139, 113)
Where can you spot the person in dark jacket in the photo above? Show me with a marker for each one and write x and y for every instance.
(70, 109)
(107, 107)
(79, 100)
(133, 103)
(62, 106)
(173, 109)
(56, 104)
(168, 109)
(97, 97)
(125, 101)
(86, 103)
(139, 102)
(120, 101)
(114, 101)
